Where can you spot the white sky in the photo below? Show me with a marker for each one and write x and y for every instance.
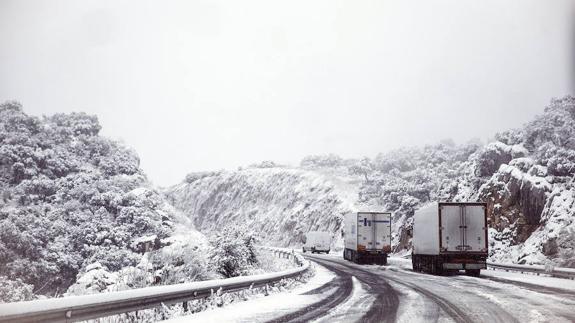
(202, 85)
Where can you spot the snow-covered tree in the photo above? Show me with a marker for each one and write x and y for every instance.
(70, 198)
(233, 252)
(363, 168)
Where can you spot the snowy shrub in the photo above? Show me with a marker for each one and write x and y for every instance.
(120, 161)
(233, 252)
(562, 162)
(510, 137)
(179, 264)
(265, 164)
(322, 161)
(95, 279)
(75, 124)
(524, 164)
(363, 167)
(192, 177)
(556, 126)
(113, 258)
(15, 290)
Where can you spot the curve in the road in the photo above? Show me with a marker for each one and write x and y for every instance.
(443, 291)
(343, 286)
(449, 308)
(459, 298)
(434, 289)
(384, 308)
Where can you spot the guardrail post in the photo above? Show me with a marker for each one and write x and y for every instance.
(185, 305)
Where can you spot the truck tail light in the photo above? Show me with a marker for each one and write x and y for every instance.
(360, 247)
(387, 248)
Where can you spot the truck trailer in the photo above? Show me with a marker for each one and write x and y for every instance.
(450, 237)
(367, 237)
(317, 241)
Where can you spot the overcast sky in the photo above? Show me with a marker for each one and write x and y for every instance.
(203, 85)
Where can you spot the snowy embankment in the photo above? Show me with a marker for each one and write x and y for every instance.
(99, 305)
(542, 280)
(280, 203)
(261, 308)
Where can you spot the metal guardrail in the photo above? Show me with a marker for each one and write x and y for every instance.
(85, 307)
(568, 273)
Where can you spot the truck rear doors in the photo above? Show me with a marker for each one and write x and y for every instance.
(374, 231)
(463, 227)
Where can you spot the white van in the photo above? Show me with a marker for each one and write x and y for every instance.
(317, 241)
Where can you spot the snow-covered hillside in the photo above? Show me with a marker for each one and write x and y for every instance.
(279, 203)
(525, 176)
(78, 216)
(72, 201)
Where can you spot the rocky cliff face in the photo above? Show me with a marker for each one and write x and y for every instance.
(530, 195)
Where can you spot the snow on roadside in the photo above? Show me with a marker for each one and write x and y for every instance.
(499, 297)
(264, 308)
(528, 278)
(546, 281)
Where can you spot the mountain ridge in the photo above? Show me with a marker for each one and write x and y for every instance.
(525, 176)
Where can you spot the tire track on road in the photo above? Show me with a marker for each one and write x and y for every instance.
(343, 286)
(493, 310)
(384, 309)
(448, 307)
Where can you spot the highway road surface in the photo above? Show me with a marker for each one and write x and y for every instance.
(347, 292)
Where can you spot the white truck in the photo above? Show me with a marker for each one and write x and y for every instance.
(367, 237)
(450, 237)
(317, 241)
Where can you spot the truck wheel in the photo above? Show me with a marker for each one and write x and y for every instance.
(439, 268)
(303, 249)
(436, 268)
(473, 272)
(416, 263)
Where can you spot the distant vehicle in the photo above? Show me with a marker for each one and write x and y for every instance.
(317, 241)
(450, 237)
(367, 237)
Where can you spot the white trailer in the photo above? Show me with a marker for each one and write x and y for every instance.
(450, 236)
(367, 237)
(317, 241)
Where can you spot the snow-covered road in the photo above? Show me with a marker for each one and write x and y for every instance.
(347, 292)
(494, 297)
